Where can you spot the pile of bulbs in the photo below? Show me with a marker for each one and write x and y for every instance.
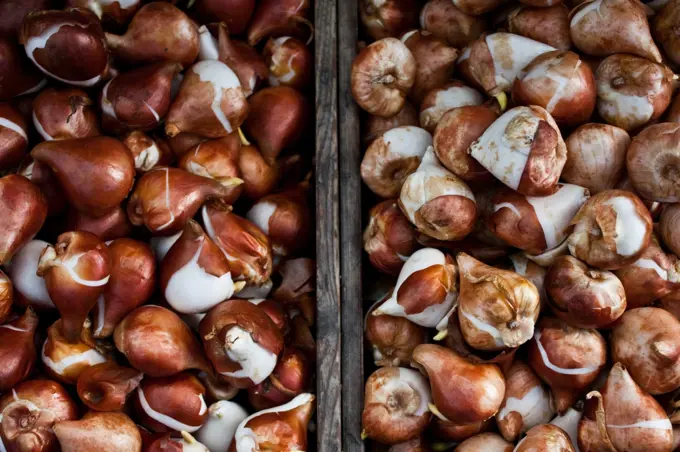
(527, 160)
(156, 261)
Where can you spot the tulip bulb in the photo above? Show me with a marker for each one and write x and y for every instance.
(645, 340)
(17, 349)
(42, 176)
(290, 62)
(6, 296)
(13, 136)
(148, 152)
(195, 275)
(396, 405)
(446, 21)
(173, 403)
(492, 442)
(110, 226)
(497, 309)
(24, 209)
(19, 74)
(29, 413)
(549, 25)
(280, 18)
(156, 341)
(390, 18)
(30, 288)
(219, 428)
(425, 290)
(611, 230)
(463, 392)
(106, 386)
(374, 126)
(444, 98)
(115, 13)
(545, 438)
(104, 432)
(569, 423)
(568, 359)
(622, 416)
(64, 114)
(259, 176)
(431, 195)
(66, 45)
(241, 341)
(389, 239)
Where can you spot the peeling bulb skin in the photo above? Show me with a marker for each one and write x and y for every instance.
(446, 21)
(106, 386)
(235, 14)
(161, 245)
(290, 62)
(158, 32)
(569, 423)
(29, 413)
(148, 151)
(68, 45)
(645, 340)
(374, 126)
(63, 114)
(567, 359)
(545, 438)
(497, 309)
(492, 442)
(17, 349)
(280, 18)
(584, 297)
(396, 405)
(632, 91)
(105, 432)
(113, 13)
(549, 25)
(383, 74)
(388, 19)
(606, 27)
(440, 100)
(7, 297)
(249, 66)
(13, 136)
(389, 238)
(156, 341)
(218, 430)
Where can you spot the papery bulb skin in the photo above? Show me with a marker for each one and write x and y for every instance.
(533, 272)
(277, 119)
(391, 18)
(165, 198)
(138, 99)
(582, 296)
(29, 413)
(106, 386)
(429, 197)
(216, 389)
(13, 136)
(606, 27)
(148, 151)
(549, 25)
(156, 341)
(392, 339)
(632, 91)
(6, 296)
(435, 62)
(524, 149)
(235, 14)
(443, 98)
(445, 430)
(611, 230)
(219, 428)
(654, 275)
(545, 438)
(445, 20)
(559, 82)
(24, 209)
(485, 441)
(663, 29)
(259, 176)
(290, 377)
(568, 359)
(246, 246)
(527, 403)
(66, 45)
(210, 103)
(64, 114)
(19, 74)
(477, 7)
(76, 271)
(241, 341)
(162, 244)
(596, 156)
(494, 61)
(280, 18)
(392, 157)
(246, 62)
(457, 129)
(497, 308)
(374, 126)
(64, 360)
(173, 403)
(298, 287)
(29, 288)
(42, 176)
(114, 13)
(195, 274)
(425, 290)
(132, 281)
(285, 218)
(112, 225)
(17, 349)
(290, 62)
(389, 239)
(623, 417)
(217, 160)
(535, 224)
(645, 340)
(462, 392)
(95, 173)
(158, 32)
(569, 423)
(396, 405)
(104, 432)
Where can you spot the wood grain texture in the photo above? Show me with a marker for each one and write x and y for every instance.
(350, 233)
(328, 383)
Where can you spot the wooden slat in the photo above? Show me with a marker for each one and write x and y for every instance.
(327, 230)
(350, 233)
